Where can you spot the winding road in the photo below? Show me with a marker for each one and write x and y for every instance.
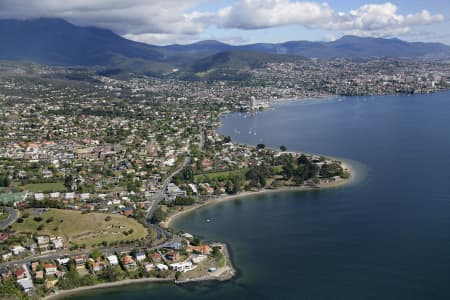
(13, 215)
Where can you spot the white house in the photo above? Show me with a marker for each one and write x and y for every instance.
(162, 267)
(140, 256)
(58, 243)
(16, 250)
(113, 260)
(182, 267)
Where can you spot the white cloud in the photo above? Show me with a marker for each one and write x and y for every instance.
(124, 17)
(370, 19)
(165, 21)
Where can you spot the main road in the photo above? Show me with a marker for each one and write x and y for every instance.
(160, 196)
(13, 215)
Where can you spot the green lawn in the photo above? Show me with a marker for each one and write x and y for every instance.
(45, 187)
(4, 216)
(227, 174)
(224, 174)
(81, 228)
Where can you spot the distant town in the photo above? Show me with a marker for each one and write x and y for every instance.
(93, 168)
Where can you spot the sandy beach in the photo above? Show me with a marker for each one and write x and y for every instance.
(346, 165)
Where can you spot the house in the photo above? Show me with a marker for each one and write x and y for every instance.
(50, 269)
(202, 249)
(173, 255)
(98, 266)
(39, 275)
(63, 261)
(128, 262)
(4, 237)
(149, 267)
(174, 245)
(55, 195)
(57, 243)
(113, 260)
(80, 261)
(17, 250)
(39, 196)
(85, 196)
(26, 285)
(42, 241)
(162, 267)
(140, 256)
(5, 273)
(127, 211)
(19, 273)
(182, 267)
(6, 255)
(156, 257)
(69, 196)
(34, 266)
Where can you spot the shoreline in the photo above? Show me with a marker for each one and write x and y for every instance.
(346, 165)
(62, 293)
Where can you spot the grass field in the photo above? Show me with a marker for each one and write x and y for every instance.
(78, 228)
(45, 187)
(227, 174)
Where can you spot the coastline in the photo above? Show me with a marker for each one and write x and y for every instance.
(346, 165)
(62, 293)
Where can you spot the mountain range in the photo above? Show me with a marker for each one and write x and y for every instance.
(58, 42)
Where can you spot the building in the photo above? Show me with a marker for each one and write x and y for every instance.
(113, 260)
(140, 256)
(50, 269)
(253, 105)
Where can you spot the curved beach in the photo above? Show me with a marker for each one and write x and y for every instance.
(346, 165)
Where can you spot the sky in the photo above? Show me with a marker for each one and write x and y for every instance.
(246, 21)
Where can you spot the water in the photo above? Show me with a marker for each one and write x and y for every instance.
(385, 237)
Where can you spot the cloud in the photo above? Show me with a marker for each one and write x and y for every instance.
(370, 19)
(123, 17)
(257, 14)
(165, 21)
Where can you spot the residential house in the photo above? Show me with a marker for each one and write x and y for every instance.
(140, 256)
(202, 249)
(80, 261)
(156, 257)
(20, 273)
(128, 262)
(50, 269)
(162, 267)
(58, 243)
(173, 255)
(113, 260)
(17, 250)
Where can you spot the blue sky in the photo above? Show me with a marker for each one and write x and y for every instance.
(247, 21)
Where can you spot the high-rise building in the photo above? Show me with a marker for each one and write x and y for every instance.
(253, 105)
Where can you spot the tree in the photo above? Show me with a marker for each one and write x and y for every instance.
(283, 148)
(96, 254)
(260, 146)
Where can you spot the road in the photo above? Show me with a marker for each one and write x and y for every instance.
(67, 253)
(160, 196)
(13, 215)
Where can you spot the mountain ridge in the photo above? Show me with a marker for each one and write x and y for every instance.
(58, 42)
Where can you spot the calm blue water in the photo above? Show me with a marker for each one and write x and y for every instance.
(385, 237)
